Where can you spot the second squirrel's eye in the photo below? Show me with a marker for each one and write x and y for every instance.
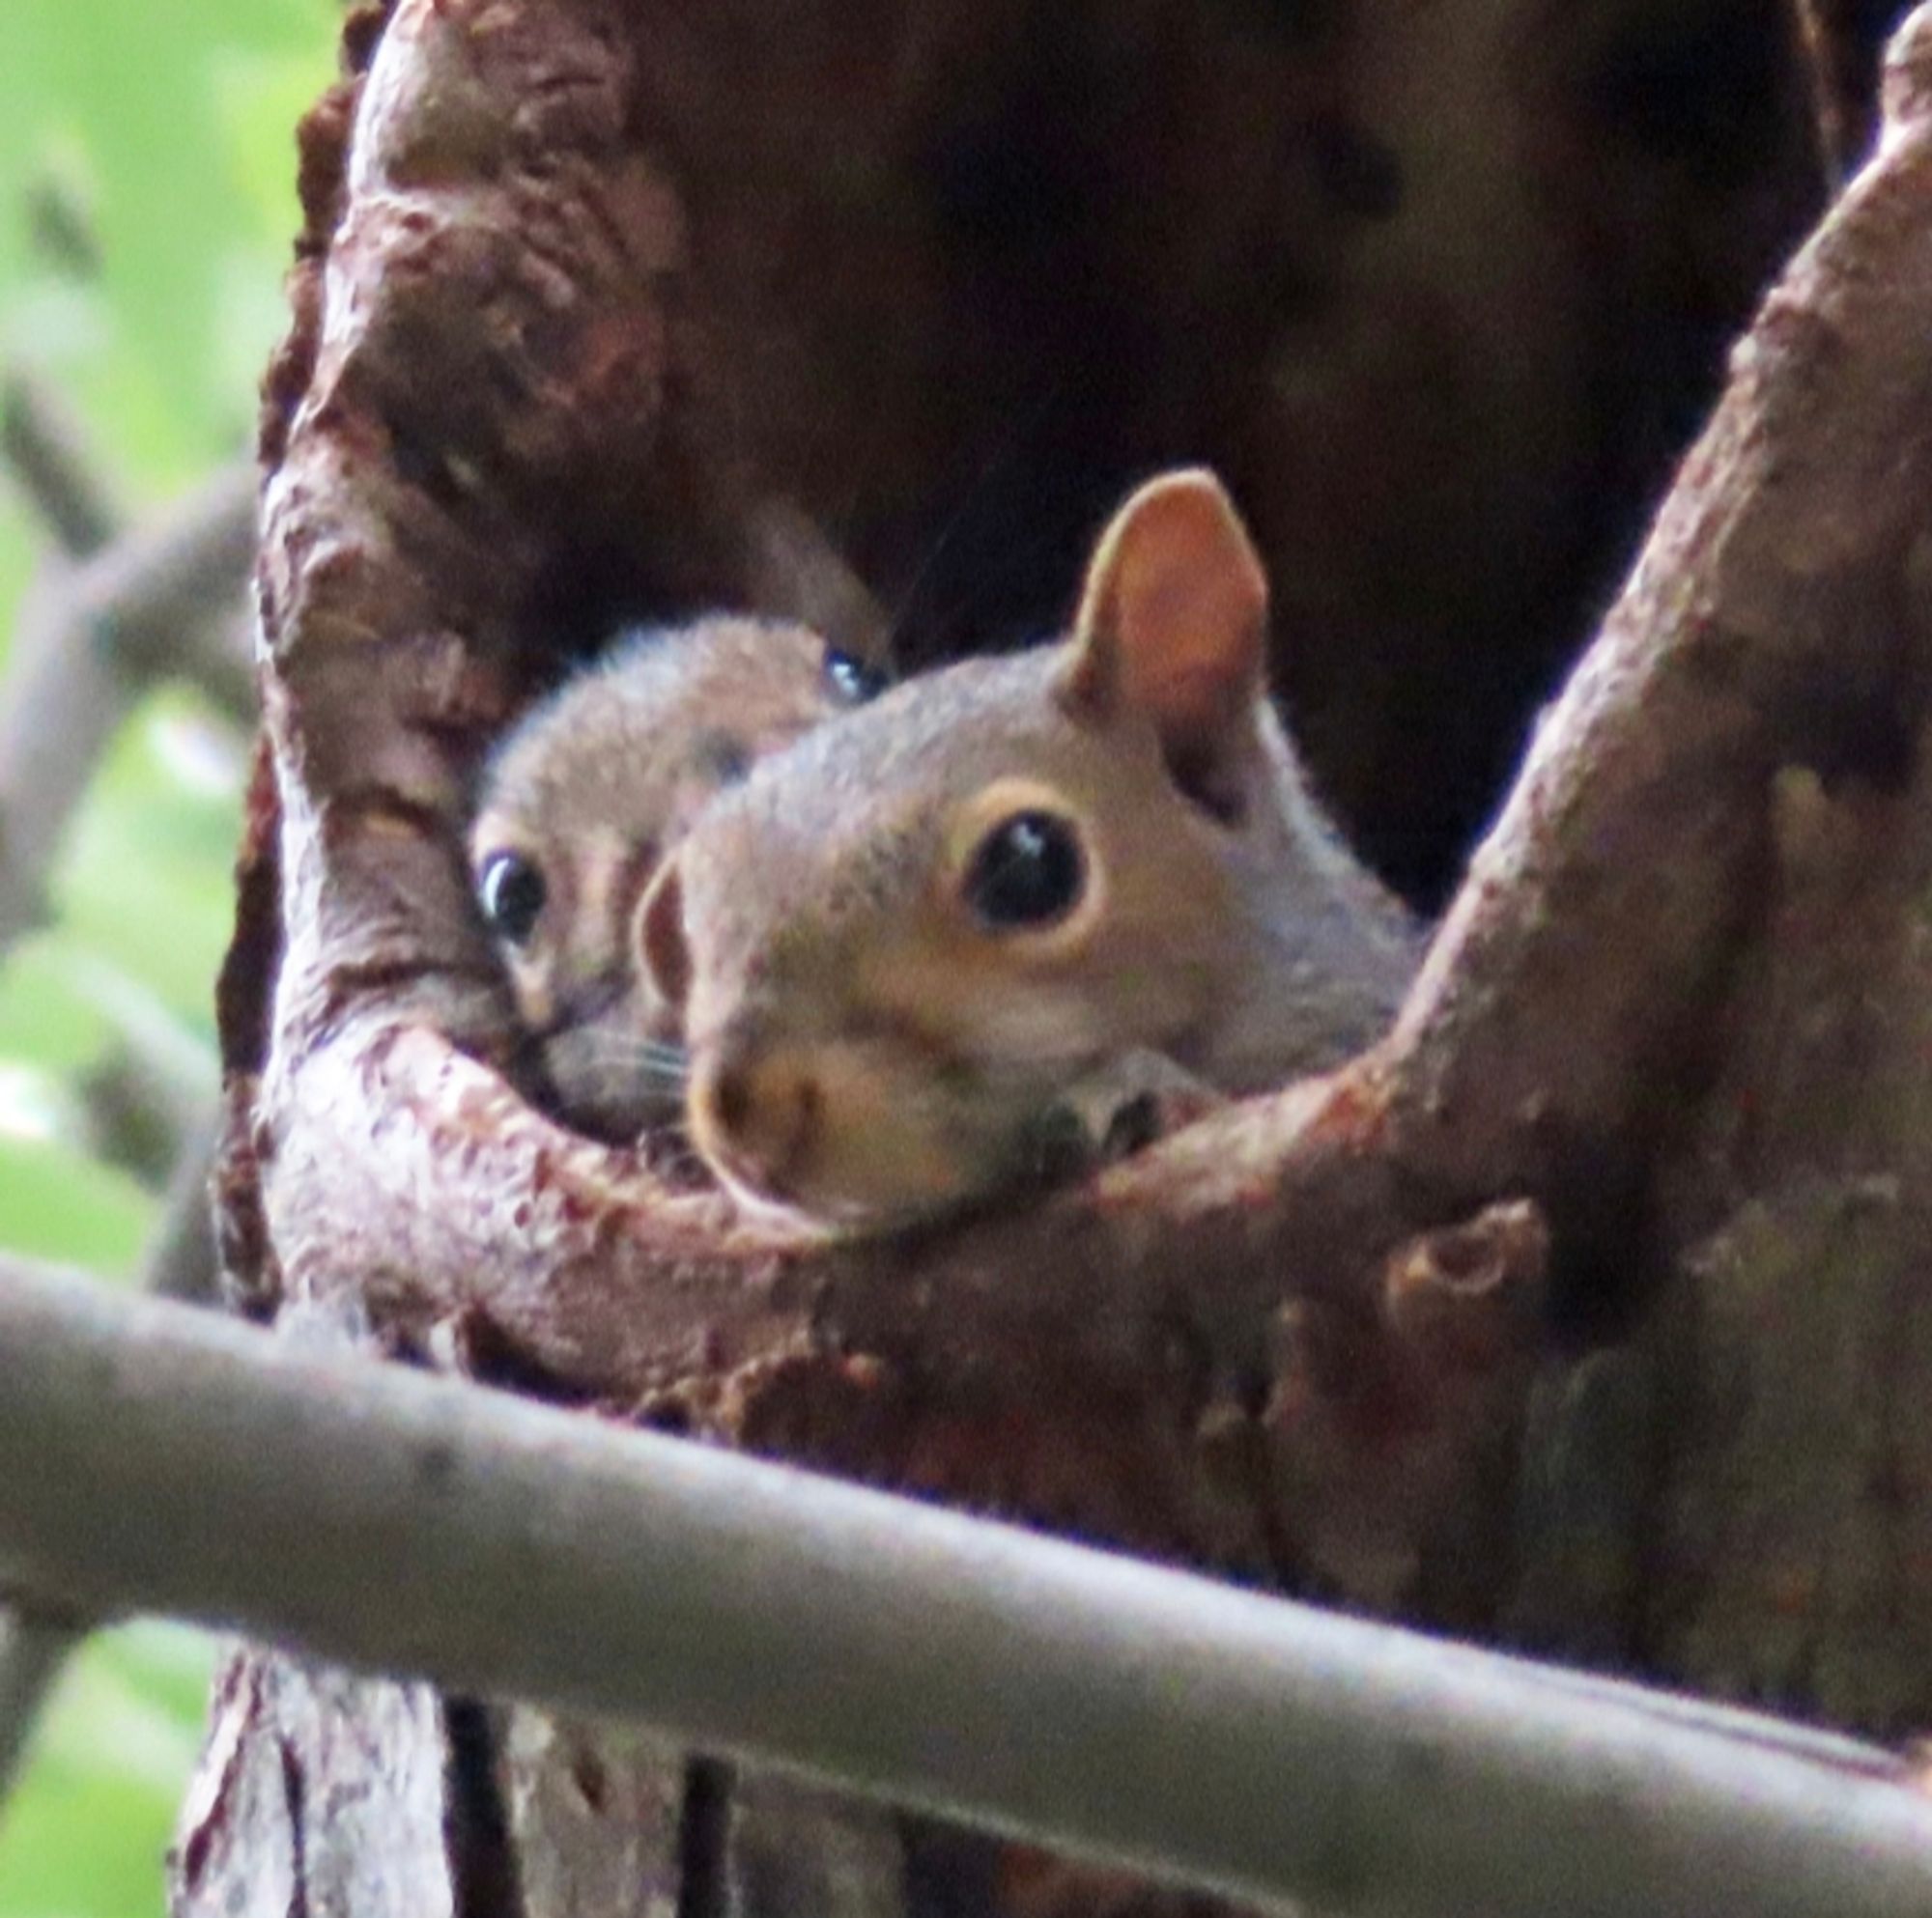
(851, 680)
(1028, 871)
(511, 892)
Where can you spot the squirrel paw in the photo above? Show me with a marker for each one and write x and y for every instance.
(1118, 1109)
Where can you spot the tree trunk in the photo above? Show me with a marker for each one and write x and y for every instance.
(1581, 1313)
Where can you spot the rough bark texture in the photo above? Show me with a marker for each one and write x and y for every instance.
(1585, 1312)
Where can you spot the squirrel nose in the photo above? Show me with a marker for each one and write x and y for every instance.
(758, 1115)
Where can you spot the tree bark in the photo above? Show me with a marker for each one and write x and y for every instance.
(1578, 1314)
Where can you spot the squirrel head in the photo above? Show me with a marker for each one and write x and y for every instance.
(577, 808)
(902, 939)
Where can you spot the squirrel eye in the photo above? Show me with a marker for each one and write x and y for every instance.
(851, 680)
(1028, 871)
(511, 892)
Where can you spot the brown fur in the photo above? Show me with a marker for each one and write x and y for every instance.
(592, 788)
(865, 1050)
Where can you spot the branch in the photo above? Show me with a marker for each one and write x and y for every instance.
(161, 600)
(398, 1522)
(43, 446)
(89, 638)
(87, 643)
(35, 1645)
(205, 637)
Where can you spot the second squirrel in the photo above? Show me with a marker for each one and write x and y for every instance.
(579, 804)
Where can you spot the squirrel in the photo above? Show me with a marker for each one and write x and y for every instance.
(577, 806)
(903, 945)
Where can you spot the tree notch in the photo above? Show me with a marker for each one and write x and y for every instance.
(1223, 1297)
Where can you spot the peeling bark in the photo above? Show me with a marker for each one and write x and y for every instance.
(582, 283)
(318, 1793)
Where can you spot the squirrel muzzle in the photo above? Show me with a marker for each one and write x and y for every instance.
(843, 1131)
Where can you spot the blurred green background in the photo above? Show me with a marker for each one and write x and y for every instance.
(146, 209)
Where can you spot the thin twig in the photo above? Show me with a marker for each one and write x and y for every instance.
(217, 655)
(200, 632)
(34, 1651)
(87, 643)
(43, 446)
(159, 599)
(138, 605)
(399, 1522)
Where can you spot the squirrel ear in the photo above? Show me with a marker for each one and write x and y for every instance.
(1172, 622)
(666, 959)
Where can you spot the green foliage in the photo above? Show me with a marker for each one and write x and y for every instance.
(149, 148)
(146, 207)
(94, 1816)
(146, 880)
